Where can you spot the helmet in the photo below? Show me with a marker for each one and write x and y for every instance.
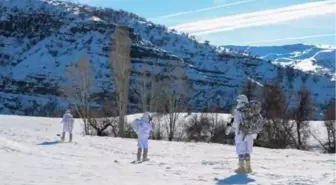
(242, 99)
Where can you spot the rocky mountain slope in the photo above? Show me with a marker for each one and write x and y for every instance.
(38, 39)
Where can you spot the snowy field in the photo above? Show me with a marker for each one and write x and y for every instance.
(30, 155)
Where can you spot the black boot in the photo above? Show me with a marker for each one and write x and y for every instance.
(139, 154)
(63, 136)
(145, 155)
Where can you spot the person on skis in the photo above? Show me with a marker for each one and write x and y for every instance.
(68, 122)
(142, 127)
(247, 123)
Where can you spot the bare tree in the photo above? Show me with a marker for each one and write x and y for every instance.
(79, 89)
(100, 123)
(121, 51)
(278, 128)
(148, 87)
(329, 145)
(157, 131)
(214, 119)
(150, 96)
(198, 128)
(144, 89)
(249, 89)
(329, 121)
(174, 92)
(302, 114)
(172, 106)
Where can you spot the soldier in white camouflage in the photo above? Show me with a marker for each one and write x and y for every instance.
(247, 123)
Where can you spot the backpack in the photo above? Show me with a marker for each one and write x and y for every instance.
(252, 121)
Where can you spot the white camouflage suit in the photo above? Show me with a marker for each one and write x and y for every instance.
(243, 147)
(68, 122)
(243, 144)
(142, 127)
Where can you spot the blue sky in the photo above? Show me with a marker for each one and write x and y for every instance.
(239, 22)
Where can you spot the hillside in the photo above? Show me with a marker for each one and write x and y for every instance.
(38, 39)
(31, 154)
(307, 58)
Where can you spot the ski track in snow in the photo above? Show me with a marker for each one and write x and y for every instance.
(30, 156)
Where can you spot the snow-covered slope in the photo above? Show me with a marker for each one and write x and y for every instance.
(38, 39)
(308, 58)
(30, 154)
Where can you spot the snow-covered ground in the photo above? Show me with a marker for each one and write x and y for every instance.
(30, 155)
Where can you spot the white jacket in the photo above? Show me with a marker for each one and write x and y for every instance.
(68, 122)
(236, 122)
(67, 118)
(142, 127)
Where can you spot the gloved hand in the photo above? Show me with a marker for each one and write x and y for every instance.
(230, 123)
(228, 130)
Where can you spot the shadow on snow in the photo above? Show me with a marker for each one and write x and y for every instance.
(236, 179)
(49, 143)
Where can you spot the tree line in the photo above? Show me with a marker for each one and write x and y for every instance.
(167, 95)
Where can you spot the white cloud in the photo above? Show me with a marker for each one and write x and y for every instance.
(259, 18)
(201, 10)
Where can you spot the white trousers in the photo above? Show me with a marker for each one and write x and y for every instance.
(67, 127)
(245, 146)
(143, 142)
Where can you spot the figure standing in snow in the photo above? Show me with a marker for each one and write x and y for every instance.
(68, 123)
(247, 123)
(142, 127)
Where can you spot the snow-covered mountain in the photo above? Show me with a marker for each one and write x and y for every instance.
(307, 58)
(39, 38)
